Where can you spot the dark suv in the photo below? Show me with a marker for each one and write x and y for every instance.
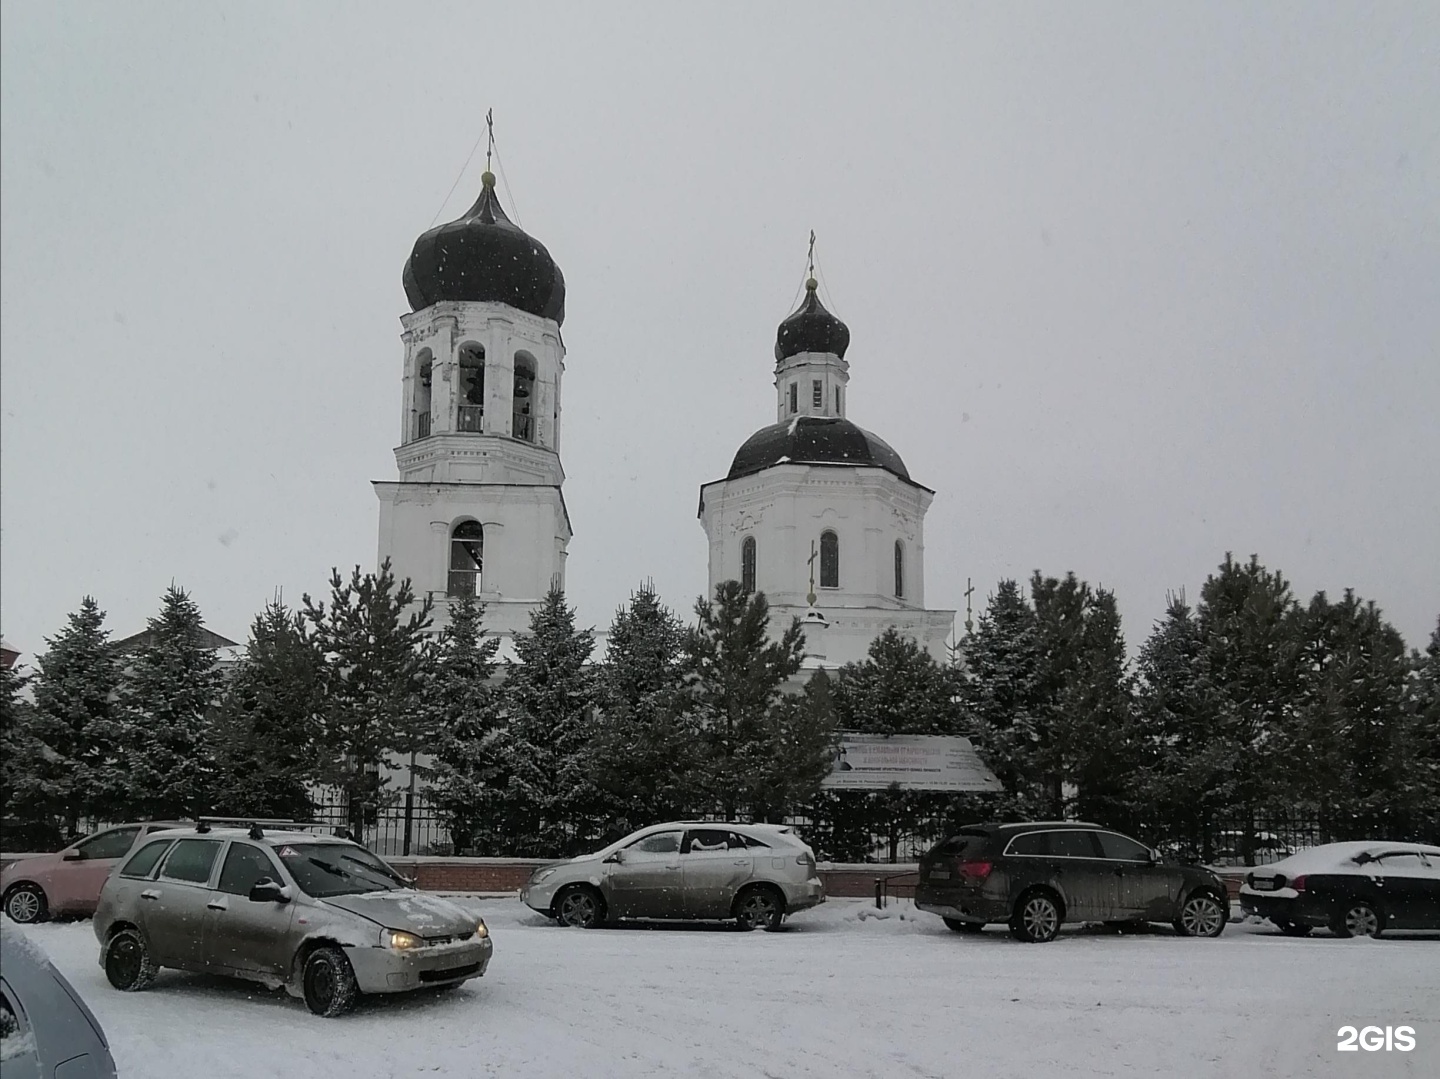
(1036, 876)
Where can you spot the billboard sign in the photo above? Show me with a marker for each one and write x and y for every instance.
(914, 762)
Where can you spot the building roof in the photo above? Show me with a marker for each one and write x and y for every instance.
(483, 256)
(210, 638)
(811, 329)
(816, 440)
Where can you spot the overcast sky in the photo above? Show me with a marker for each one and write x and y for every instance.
(1129, 286)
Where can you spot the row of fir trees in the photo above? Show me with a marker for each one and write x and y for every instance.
(1248, 705)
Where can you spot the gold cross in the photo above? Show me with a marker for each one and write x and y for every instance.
(811, 561)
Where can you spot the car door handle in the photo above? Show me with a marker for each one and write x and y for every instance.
(672, 867)
(150, 893)
(741, 861)
(1119, 872)
(217, 904)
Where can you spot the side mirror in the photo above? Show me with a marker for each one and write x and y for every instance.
(618, 858)
(266, 890)
(73, 855)
(1155, 858)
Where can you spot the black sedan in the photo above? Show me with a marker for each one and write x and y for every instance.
(1354, 889)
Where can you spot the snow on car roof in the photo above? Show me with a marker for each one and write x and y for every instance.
(1342, 855)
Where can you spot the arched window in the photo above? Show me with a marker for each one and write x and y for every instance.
(747, 565)
(829, 560)
(899, 570)
(423, 369)
(524, 397)
(467, 556)
(470, 414)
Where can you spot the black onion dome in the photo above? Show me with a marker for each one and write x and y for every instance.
(815, 440)
(484, 256)
(811, 329)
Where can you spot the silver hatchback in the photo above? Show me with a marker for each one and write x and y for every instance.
(320, 916)
(754, 873)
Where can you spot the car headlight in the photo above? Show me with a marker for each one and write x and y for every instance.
(482, 930)
(541, 874)
(400, 940)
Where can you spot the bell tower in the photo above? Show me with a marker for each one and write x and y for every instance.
(478, 508)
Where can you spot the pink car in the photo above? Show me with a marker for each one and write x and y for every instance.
(69, 881)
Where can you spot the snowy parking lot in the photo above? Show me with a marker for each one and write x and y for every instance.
(844, 990)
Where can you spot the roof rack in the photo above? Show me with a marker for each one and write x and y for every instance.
(257, 824)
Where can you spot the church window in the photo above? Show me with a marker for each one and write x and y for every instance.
(747, 565)
(794, 397)
(470, 413)
(899, 570)
(837, 400)
(829, 560)
(467, 556)
(424, 366)
(817, 394)
(524, 427)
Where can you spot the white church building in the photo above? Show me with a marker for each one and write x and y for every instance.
(821, 515)
(816, 512)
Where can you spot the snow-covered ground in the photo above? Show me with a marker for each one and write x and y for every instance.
(845, 990)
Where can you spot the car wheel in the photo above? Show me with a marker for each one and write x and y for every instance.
(26, 904)
(128, 965)
(1036, 919)
(758, 907)
(329, 982)
(1357, 919)
(960, 926)
(1203, 915)
(579, 907)
(1290, 929)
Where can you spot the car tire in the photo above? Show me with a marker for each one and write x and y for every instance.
(759, 907)
(1036, 918)
(328, 982)
(128, 965)
(1202, 915)
(1357, 919)
(1291, 929)
(579, 907)
(26, 904)
(960, 926)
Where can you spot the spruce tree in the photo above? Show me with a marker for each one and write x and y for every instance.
(1001, 693)
(550, 805)
(735, 676)
(375, 654)
(1353, 746)
(20, 757)
(899, 688)
(268, 722)
(71, 766)
(1106, 755)
(641, 757)
(1247, 622)
(169, 691)
(464, 778)
(1177, 710)
(800, 731)
(1424, 707)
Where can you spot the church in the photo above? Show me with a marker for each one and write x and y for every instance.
(816, 512)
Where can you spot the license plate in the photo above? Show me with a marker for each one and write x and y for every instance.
(939, 874)
(1263, 885)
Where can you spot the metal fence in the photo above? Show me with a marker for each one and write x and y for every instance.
(406, 825)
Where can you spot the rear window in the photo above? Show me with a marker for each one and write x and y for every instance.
(1073, 845)
(143, 863)
(962, 844)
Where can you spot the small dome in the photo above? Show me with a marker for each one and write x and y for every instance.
(815, 440)
(811, 329)
(484, 256)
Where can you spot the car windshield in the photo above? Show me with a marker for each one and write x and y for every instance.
(327, 869)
